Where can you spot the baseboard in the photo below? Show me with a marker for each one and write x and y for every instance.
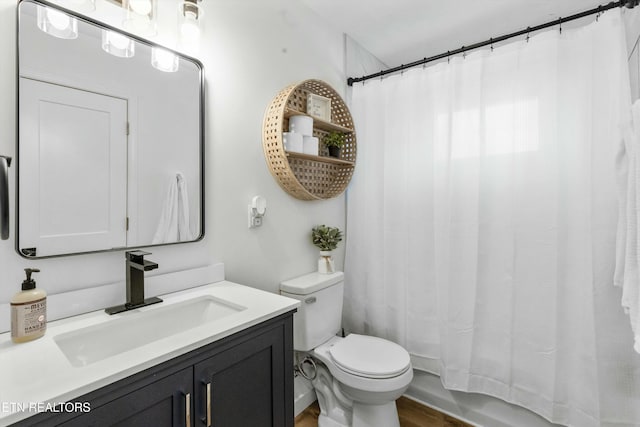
(304, 394)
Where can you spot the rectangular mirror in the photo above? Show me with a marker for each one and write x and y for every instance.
(110, 138)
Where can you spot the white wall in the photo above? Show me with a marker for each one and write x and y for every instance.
(250, 49)
(254, 49)
(361, 62)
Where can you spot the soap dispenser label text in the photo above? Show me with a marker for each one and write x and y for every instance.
(28, 317)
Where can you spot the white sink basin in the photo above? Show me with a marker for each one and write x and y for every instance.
(140, 327)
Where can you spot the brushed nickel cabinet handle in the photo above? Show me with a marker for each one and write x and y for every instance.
(187, 410)
(208, 404)
(5, 162)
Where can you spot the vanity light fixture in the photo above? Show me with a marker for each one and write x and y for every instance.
(189, 22)
(164, 60)
(57, 23)
(140, 16)
(83, 5)
(117, 44)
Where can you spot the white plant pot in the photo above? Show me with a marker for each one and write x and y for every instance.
(325, 263)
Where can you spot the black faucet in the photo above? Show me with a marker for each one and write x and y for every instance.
(136, 265)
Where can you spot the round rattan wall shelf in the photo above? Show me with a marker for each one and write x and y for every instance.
(307, 176)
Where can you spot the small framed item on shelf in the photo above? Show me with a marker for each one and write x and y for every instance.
(319, 107)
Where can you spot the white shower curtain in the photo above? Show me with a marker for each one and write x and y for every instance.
(482, 219)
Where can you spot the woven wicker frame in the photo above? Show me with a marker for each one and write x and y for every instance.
(307, 177)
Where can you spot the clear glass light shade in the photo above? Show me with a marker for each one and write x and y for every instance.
(83, 5)
(190, 22)
(117, 44)
(57, 23)
(141, 16)
(141, 7)
(164, 60)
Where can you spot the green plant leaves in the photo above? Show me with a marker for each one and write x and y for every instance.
(326, 238)
(334, 139)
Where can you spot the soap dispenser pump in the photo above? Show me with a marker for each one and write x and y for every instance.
(28, 311)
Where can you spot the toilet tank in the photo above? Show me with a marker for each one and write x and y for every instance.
(320, 314)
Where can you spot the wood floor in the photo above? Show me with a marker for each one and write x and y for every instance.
(411, 414)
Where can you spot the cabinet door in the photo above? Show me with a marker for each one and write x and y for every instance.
(244, 385)
(166, 402)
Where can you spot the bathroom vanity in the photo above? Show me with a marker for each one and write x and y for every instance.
(234, 368)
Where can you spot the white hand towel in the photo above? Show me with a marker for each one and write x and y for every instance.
(184, 229)
(174, 219)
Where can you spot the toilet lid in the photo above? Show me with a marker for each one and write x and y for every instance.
(371, 357)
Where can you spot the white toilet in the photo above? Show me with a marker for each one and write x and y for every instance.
(359, 377)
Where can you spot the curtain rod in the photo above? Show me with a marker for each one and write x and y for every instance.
(628, 3)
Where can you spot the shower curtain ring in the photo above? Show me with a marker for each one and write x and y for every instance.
(491, 41)
(528, 31)
(560, 24)
(448, 57)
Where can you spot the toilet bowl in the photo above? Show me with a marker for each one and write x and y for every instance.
(358, 377)
(371, 373)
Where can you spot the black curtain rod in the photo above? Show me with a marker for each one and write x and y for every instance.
(628, 3)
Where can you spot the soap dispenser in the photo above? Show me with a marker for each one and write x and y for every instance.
(28, 311)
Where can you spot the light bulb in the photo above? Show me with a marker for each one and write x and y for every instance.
(117, 44)
(56, 23)
(118, 40)
(59, 20)
(190, 29)
(190, 21)
(140, 17)
(84, 5)
(164, 60)
(141, 7)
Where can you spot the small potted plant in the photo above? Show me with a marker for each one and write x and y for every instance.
(326, 239)
(334, 142)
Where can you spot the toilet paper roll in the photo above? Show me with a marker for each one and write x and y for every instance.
(310, 145)
(292, 141)
(301, 124)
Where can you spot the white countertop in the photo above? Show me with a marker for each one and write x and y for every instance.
(37, 372)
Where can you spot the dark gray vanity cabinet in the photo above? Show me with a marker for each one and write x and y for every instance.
(240, 384)
(245, 379)
(161, 403)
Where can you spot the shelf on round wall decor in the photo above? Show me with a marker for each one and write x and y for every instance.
(307, 176)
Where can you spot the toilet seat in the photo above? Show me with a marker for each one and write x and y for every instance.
(359, 381)
(370, 357)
